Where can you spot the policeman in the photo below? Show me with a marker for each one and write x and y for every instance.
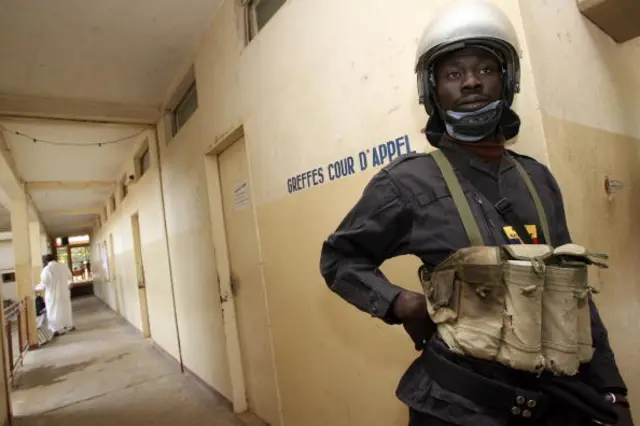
(508, 332)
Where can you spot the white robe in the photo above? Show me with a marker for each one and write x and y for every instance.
(55, 279)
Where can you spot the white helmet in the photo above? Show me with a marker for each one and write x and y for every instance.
(468, 23)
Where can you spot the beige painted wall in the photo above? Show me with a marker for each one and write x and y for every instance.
(303, 103)
(143, 198)
(343, 84)
(590, 97)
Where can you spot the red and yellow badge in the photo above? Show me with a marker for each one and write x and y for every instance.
(514, 238)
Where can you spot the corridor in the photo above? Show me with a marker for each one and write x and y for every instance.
(104, 373)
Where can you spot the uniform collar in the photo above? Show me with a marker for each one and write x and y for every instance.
(463, 159)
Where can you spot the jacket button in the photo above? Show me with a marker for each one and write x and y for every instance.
(520, 400)
(516, 411)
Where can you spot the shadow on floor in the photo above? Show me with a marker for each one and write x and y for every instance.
(47, 375)
(105, 373)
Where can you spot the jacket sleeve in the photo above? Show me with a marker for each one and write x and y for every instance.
(377, 228)
(602, 372)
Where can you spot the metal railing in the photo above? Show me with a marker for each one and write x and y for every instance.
(16, 334)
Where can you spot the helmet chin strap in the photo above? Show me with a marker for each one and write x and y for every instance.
(473, 126)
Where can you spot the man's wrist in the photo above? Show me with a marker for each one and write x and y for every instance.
(617, 399)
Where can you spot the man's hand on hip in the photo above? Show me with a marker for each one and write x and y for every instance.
(411, 308)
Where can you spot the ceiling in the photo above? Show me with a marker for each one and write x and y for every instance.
(68, 184)
(117, 57)
(91, 66)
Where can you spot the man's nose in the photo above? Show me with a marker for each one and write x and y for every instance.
(471, 81)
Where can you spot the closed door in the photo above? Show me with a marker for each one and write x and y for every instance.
(142, 285)
(247, 284)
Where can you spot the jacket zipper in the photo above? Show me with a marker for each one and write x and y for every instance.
(488, 222)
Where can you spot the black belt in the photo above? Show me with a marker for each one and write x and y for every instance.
(482, 391)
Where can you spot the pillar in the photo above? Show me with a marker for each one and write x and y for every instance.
(20, 229)
(36, 251)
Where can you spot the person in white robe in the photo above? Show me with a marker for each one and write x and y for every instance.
(54, 281)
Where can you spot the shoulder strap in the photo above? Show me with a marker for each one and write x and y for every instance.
(542, 217)
(459, 199)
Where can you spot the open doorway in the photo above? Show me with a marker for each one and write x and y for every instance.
(142, 284)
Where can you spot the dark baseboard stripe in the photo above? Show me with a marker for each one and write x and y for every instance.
(210, 390)
(166, 355)
(217, 396)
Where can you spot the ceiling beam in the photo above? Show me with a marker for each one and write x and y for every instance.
(77, 109)
(69, 185)
(9, 178)
(80, 228)
(72, 212)
(11, 185)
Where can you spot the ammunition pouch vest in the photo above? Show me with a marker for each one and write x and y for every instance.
(523, 305)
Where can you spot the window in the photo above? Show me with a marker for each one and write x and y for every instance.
(144, 161)
(112, 202)
(124, 190)
(258, 13)
(187, 105)
(80, 239)
(80, 257)
(63, 256)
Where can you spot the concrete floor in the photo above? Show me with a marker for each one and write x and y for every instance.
(104, 373)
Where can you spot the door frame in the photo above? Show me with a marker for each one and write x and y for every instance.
(223, 266)
(143, 303)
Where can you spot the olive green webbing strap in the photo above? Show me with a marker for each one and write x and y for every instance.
(542, 217)
(460, 201)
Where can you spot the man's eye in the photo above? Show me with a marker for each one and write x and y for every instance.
(453, 75)
(486, 71)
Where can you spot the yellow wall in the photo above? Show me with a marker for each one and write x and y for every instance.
(589, 98)
(304, 102)
(319, 84)
(144, 198)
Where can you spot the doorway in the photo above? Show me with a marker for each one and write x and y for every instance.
(142, 284)
(111, 272)
(247, 283)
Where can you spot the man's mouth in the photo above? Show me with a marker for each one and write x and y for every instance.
(472, 103)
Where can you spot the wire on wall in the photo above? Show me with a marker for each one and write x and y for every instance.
(80, 144)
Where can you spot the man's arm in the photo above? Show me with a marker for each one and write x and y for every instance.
(377, 228)
(45, 279)
(602, 372)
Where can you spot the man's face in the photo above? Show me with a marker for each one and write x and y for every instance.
(467, 80)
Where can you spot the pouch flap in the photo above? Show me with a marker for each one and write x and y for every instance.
(442, 283)
(570, 250)
(480, 274)
(576, 251)
(478, 256)
(528, 251)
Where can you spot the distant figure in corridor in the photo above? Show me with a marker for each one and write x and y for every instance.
(55, 280)
(507, 329)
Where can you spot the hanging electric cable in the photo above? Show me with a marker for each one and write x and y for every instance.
(80, 144)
